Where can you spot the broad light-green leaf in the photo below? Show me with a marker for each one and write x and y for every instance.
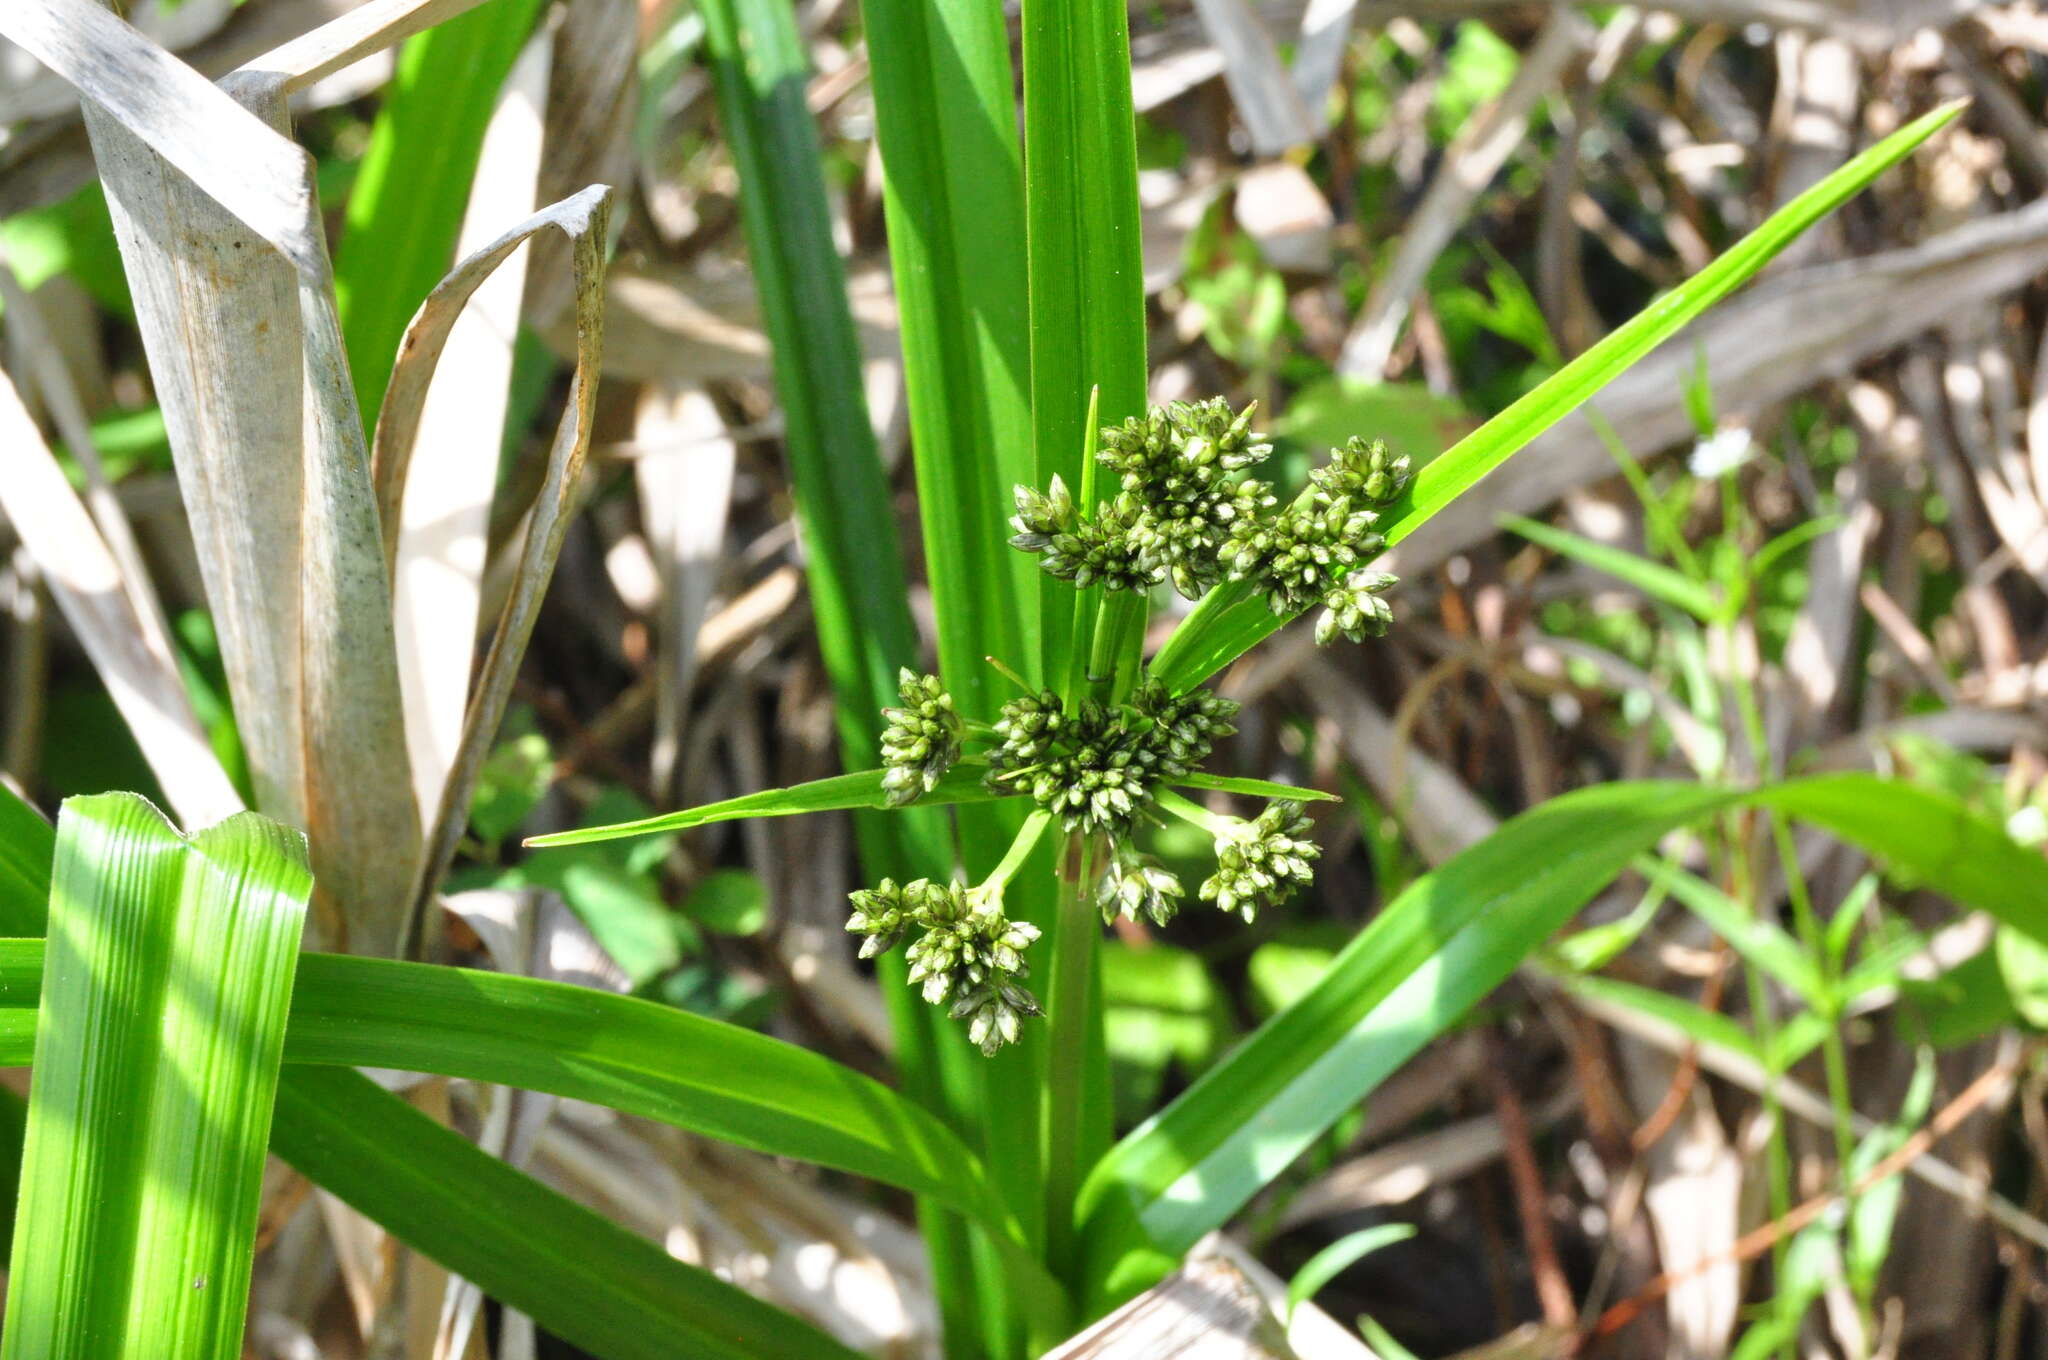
(160, 1026)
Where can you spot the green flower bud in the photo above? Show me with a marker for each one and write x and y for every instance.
(1136, 883)
(1258, 863)
(1364, 470)
(973, 954)
(920, 741)
(1356, 608)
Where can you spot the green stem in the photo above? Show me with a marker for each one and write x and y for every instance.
(1020, 851)
(1215, 823)
(1070, 1006)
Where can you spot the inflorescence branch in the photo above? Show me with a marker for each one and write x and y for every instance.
(1181, 512)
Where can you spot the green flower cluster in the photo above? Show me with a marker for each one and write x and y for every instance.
(1176, 502)
(970, 952)
(1312, 552)
(1259, 862)
(1182, 513)
(920, 741)
(1096, 766)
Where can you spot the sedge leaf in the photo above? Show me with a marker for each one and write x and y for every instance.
(580, 1275)
(1228, 623)
(1440, 947)
(1251, 788)
(862, 789)
(157, 1046)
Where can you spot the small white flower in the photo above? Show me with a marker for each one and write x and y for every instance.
(1725, 450)
(2029, 825)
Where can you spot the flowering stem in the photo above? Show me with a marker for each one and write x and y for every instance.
(1194, 814)
(1020, 850)
(1069, 1010)
(1111, 664)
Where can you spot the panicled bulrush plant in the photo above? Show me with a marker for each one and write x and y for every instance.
(1178, 508)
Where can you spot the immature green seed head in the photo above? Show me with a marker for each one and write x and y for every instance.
(1364, 470)
(920, 740)
(1259, 863)
(1135, 884)
(1095, 767)
(972, 954)
(1357, 609)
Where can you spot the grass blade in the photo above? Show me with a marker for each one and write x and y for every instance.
(1087, 322)
(574, 1272)
(1086, 270)
(159, 1037)
(863, 789)
(953, 188)
(1228, 623)
(1653, 579)
(1445, 943)
(855, 566)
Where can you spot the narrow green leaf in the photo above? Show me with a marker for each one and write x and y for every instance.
(1763, 944)
(858, 595)
(862, 789)
(1227, 623)
(1086, 264)
(855, 567)
(1403, 980)
(405, 209)
(1251, 788)
(1440, 947)
(159, 1034)
(581, 1276)
(367, 1145)
(637, 1056)
(1930, 838)
(946, 122)
(1688, 1018)
(1333, 1260)
(1087, 325)
(1654, 579)
(26, 844)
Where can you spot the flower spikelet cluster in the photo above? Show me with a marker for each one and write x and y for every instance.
(1312, 553)
(1136, 884)
(1177, 496)
(970, 953)
(920, 740)
(1258, 863)
(1095, 767)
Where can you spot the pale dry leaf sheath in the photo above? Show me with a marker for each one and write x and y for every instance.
(219, 321)
(245, 166)
(444, 507)
(133, 660)
(362, 32)
(244, 347)
(582, 217)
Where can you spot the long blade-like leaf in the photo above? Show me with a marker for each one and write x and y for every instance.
(945, 118)
(853, 555)
(578, 1274)
(862, 789)
(1086, 265)
(324, 1130)
(1230, 622)
(160, 1030)
(1445, 943)
(633, 1055)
